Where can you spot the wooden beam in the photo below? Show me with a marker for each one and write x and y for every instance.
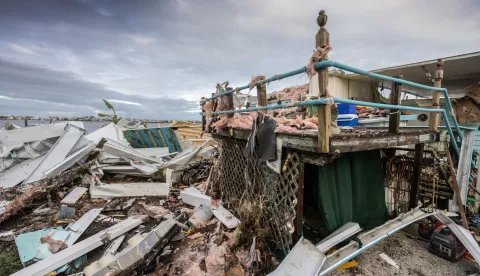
(394, 120)
(298, 222)
(456, 189)
(322, 40)
(262, 93)
(437, 82)
(341, 143)
(203, 101)
(229, 99)
(417, 173)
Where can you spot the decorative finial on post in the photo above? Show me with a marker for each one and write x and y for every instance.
(322, 19)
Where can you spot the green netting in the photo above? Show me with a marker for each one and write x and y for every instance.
(352, 189)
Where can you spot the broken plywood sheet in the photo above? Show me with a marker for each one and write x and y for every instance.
(29, 134)
(129, 190)
(71, 253)
(74, 195)
(57, 153)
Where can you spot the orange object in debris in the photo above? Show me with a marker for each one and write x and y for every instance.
(469, 257)
(346, 265)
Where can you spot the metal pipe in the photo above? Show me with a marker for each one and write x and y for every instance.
(387, 78)
(340, 100)
(331, 63)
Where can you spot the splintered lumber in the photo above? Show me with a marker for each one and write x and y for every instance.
(26, 194)
(456, 189)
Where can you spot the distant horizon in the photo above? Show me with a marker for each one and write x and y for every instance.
(156, 59)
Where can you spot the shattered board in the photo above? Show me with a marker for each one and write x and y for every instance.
(153, 138)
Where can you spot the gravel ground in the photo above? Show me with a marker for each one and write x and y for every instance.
(413, 257)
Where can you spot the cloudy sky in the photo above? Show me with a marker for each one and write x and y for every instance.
(155, 59)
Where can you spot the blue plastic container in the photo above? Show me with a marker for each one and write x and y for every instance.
(347, 108)
(347, 120)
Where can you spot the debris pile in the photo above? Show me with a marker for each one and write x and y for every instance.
(96, 205)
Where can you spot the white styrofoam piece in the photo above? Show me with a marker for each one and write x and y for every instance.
(72, 252)
(303, 259)
(129, 190)
(29, 134)
(195, 199)
(57, 153)
(224, 216)
(20, 172)
(74, 195)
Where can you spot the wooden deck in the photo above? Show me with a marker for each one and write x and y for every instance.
(357, 139)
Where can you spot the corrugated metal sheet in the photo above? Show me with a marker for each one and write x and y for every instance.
(153, 138)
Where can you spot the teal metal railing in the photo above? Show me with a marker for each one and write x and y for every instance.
(446, 113)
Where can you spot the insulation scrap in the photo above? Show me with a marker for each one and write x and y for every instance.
(53, 245)
(295, 125)
(237, 121)
(294, 93)
(318, 55)
(255, 79)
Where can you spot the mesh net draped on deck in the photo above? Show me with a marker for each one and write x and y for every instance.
(240, 179)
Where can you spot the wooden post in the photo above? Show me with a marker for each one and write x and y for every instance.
(203, 101)
(262, 93)
(437, 82)
(417, 173)
(230, 105)
(394, 120)
(298, 222)
(324, 114)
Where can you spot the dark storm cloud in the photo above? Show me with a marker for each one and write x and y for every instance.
(39, 89)
(181, 49)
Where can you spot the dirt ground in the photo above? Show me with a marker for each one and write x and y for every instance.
(412, 256)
